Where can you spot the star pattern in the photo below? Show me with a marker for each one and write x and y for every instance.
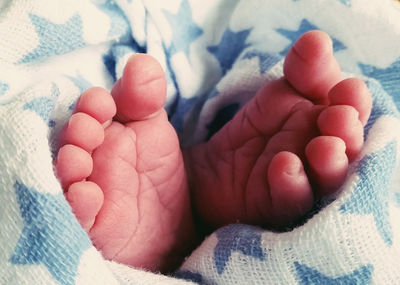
(304, 27)
(382, 105)
(310, 276)
(119, 27)
(184, 29)
(3, 88)
(82, 84)
(229, 48)
(51, 235)
(388, 77)
(55, 39)
(182, 107)
(371, 194)
(242, 238)
(117, 52)
(190, 276)
(48, 216)
(265, 60)
(110, 63)
(44, 106)
(214, 93)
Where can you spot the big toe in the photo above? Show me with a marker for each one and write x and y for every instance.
(310, 66)
(141, 91)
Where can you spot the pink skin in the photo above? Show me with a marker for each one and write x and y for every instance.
(123, 172)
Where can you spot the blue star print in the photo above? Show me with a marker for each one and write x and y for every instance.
(117, 52)
(214, 93)
(80, 82)
(43, 106)
(184, 105)
(55, 39)
(242, 238)
(310, 276)
(304, 27)
(3, 88)
(371, 194)
(110, 63)
(119, 27)
(265, 60)
(382, 104)
(184, 30)
(388, 77)
(229, 48)
(188, 275)
(51, 235)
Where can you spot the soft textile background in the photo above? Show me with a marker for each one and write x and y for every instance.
(216, 54)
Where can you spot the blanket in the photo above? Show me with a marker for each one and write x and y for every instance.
(215, 54)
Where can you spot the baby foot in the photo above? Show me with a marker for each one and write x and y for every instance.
(289, 145)
(122, 169)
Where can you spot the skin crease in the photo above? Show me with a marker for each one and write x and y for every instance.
(135, 192)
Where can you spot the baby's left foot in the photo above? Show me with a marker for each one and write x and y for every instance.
(289, 144)
(121, 167)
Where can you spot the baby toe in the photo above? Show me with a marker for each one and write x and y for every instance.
(327, 164)
(290, 191)
(85, 199)
(73, 164)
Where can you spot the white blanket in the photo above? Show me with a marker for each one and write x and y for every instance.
(216, 54)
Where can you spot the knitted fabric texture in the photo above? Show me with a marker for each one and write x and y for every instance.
(216, 54)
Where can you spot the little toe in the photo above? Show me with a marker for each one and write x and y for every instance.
(141, 91)
(290, 190)
(310, 66)
(342, 121)
(73, 164)
(97, 103)
(355, 93)
(85, 199)
(327, 163)
(83, 131)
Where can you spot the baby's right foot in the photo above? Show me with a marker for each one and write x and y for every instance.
(291, 143)
(122, 170)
